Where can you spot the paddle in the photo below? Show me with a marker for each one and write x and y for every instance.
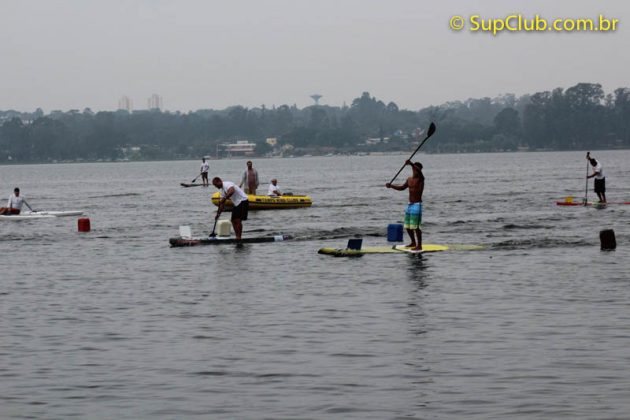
(588, 155)
(429, 134)
(193, 181)
(212, 235)
(29, 207)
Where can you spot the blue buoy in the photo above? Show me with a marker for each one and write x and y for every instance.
(394, 232)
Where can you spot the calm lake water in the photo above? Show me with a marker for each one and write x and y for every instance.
(116, 324)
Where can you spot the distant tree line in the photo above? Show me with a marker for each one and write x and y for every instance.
(579, 118)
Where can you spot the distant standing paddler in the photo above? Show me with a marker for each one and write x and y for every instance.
(413, 213)
(249, 181)
(231, 191)
(600, 178)
(14, 205)
(205, 167)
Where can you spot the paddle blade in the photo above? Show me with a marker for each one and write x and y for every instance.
(431, 130)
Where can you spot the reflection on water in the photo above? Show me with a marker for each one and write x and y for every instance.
(417, 270)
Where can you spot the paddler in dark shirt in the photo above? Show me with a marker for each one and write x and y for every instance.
(413, 213)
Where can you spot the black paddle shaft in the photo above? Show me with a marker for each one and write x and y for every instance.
(212, 235)
(429, 134)
(588, 155)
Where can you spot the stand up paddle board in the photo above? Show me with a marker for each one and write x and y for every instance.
(570, 201)
(396, 249)
(188, 185)
(186, 239)
(32, 215)
(179, 242)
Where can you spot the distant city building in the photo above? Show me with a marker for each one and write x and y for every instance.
(154, 102)
(240, 148)
(272, 141)
(125, 104)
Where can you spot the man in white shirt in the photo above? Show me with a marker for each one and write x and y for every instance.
(14, 206)
(273, 190)
(204, 172)
(231, 191)
(600, 178)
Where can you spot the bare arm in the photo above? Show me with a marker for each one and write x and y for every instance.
(223, 199)
(398, 187)
(227, 196)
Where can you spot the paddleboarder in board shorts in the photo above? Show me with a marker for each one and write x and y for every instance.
(204, 172)
(413, 213)
(249, 179)
(14, 205)
(230, 191)
(600, 178)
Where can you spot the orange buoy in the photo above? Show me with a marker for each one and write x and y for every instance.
(84, 224)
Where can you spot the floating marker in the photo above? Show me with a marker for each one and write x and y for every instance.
(84, 224)
(607, 240)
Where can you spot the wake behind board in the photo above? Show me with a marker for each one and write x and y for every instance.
(396, 249)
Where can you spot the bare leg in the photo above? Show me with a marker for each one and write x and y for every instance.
(413, 239)
(419, 245)
(238, 228)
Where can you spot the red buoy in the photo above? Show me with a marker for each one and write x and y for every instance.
(84, 224)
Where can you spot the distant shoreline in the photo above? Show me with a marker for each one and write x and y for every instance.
(298, 157)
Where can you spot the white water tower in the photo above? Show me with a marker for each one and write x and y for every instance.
(316, 97)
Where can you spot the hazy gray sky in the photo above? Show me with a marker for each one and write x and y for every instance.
(64, 54)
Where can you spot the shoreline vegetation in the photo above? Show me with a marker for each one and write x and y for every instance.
(582, 117)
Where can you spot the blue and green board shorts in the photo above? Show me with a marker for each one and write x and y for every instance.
(413, 216)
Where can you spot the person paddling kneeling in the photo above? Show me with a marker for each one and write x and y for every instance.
(14, 206)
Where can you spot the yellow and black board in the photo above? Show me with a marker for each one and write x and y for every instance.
(396, 249)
